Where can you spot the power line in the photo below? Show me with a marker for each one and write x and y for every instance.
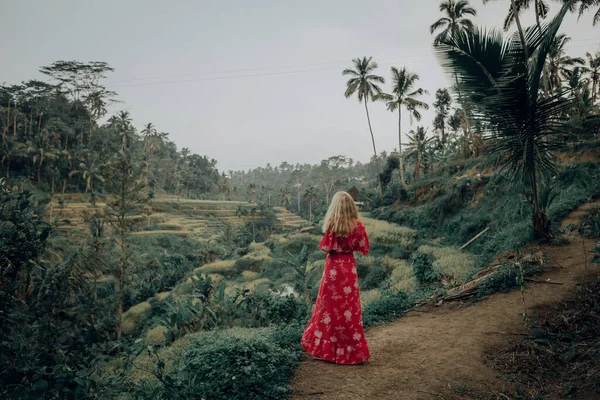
(294, 66)
(388, 60)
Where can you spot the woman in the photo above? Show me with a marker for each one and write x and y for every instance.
(335, 332)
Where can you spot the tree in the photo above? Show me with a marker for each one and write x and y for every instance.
(90, 169)
(540, 9)
(309, 195)
(418, 149)
(455, 23)
(43, 151)
(515, 12)
(403, 95)
(504, 78)
(125, 184)
(253, 189)
(442, 107)
(286, 199)
(585, 5)
(455, 20)
(557, 65)
(365, 85)
(11, 149)
(592, 71)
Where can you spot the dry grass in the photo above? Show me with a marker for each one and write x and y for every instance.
(368, 296)
(156, 335)
(258, 252)
(249, 275)
(251, 286)
(403, 278)
(452, 263)
(131, 316)
(385, 232)
(218, 266)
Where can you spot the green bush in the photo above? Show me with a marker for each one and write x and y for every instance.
(423, 268)
(374, 277)
(288, 337)
(227, 365)
(388, 307)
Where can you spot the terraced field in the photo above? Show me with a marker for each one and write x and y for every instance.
(170, 215)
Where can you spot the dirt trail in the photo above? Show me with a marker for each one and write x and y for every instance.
(424, 354)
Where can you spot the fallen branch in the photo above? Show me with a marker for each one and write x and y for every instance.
(540, 281)
(475, 238)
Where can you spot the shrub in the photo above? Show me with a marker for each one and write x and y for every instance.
(249, 264)
(422, 265)
(387, 233)
(386, 308)
(296, 242)
(288, 337)
(451, 263)
(374, 277)
(236, 365)
(403, 278)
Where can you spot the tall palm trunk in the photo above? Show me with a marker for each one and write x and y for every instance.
(310, 211)
(374, 149)
(400, 156)
(520, 28)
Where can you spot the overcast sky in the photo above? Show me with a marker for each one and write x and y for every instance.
(246, 82)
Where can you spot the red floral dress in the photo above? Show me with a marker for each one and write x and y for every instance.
(335, 331)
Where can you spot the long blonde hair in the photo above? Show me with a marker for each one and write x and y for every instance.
(342, 215)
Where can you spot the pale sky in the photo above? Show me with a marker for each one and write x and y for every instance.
(246, 82)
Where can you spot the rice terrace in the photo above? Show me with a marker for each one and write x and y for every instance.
(230, 204)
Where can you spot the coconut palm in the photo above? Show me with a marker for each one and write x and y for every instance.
(365, 85)
(558, 65)
(43, 151)
(592, 71)
(286, 199)
(586, 5)
(540, 7)
(11, 149)
(504, 77)
(309, 195)
(515, 11)
(89, 169)
(403, 95)
(455, 20)
(418, 148)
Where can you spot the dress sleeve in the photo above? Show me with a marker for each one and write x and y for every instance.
(329, 242)
(362, 243)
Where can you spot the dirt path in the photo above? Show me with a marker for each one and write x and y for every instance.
(427, 353)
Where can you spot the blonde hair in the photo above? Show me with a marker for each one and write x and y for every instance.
(342, 215)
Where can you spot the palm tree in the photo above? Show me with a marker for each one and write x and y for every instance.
(43, 152)
(309, 195)
(225, 186)
(365, 85)
(540, 8)
(454, 23)
(503, 77)
(557, 65)
(286, 198)
(253, 188)
(418, 147)
(403, 95)
(592, 71)
(11, 149)
(455, 20)
(89, 169)
(586, 5)
(515, 12)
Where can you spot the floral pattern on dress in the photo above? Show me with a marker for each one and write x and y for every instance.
(335, 331)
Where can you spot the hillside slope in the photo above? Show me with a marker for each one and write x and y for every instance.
(433, 354)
